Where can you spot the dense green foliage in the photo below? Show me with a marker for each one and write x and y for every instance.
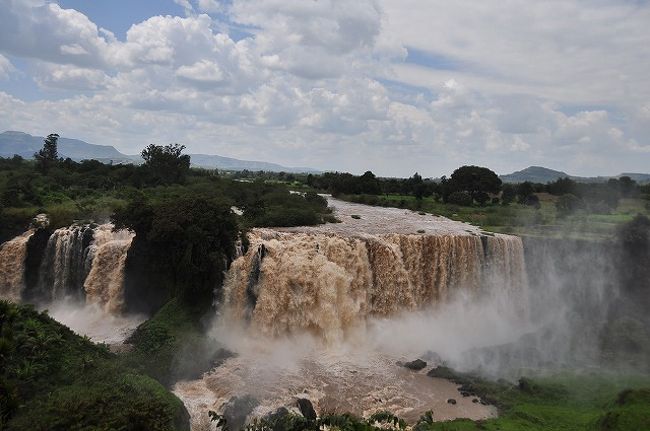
(171, 345)
(90, 190)
(52, 379)
(166, 164)
(181, 249)
(476, 181)
(48, 156)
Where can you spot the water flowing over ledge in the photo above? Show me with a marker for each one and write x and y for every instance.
(12, 263)
(327, 284)
(325, 312)
(80, 278)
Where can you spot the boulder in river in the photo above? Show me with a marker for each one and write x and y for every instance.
(278, 414)
(416, 365)
(307, 409)
(237, 409)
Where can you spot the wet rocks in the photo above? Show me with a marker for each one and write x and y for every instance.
(416, 365)
(442, 373)
(307, 409)
(277, 415)
(237, 409)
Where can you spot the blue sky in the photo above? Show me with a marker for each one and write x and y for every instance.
(393, 86)
(119, 15)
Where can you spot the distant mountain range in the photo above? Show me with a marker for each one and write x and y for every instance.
(539, 174)
(25, 145)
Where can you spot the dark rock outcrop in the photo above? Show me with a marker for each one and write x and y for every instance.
(237, 409)
(307, 409)
(35, 250)
(416, 365)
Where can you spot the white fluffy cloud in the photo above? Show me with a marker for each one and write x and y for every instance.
(328, 83)
(5, 67)
(68, 77)
(47, 32)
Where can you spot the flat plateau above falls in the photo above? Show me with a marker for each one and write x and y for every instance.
(375, 220)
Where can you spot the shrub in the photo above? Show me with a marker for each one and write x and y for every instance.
(460, 198)
(53, 379)
(567, 204)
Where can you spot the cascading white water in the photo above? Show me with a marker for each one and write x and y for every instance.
(85, 261)
(325, 312)
(81, 278)
(65, 263)
(328, 285)
(105, 281)
(12, 263)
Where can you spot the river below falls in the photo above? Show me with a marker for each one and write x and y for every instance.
(335, 382)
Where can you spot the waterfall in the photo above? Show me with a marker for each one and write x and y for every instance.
(79, 262)
(329, 285)
(325, 313)
(12, 262)
(65, 263)
(104, 283)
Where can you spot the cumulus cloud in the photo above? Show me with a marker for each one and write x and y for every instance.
(331, 84)
(5, 67)
(48, 32)
(210, 6)
(68, 77)
(574, 51)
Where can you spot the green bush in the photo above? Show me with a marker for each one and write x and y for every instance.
(52, 379)
(461, 198)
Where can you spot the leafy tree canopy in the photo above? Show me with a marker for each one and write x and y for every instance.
(48, 156)
(166, 164)
(475, 180)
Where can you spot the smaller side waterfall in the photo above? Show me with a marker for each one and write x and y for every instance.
(12, 263)
(104, 283)
(65, 264)
(80, 262)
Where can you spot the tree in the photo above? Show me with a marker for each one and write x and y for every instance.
(532, 201)
(48, 156)
(524, 191)
(567, 204)
(562, 186)
(626, 185)
(166, 164)
(509, 194)
(416, 186)
(369, 184)
(462, 198)
(474, 180)
(181, 249)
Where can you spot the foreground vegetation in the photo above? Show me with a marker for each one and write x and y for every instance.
(53, 379)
